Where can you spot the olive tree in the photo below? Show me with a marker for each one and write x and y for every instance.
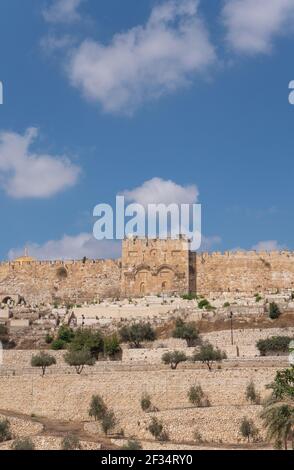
(174, 358)
(79, 359)
(43, 360)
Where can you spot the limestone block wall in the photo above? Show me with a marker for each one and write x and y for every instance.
(248, 272)
(245, 339)
(71, 281)
(217, 424)
(150, 356)
(68, 396)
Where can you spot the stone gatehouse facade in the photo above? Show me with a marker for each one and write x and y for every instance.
(152, 267)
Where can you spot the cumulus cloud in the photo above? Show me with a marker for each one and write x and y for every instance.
(269, 245)
(158, 190)
(70, 247)
(208, 243)
(27, 174)
(62, 11)
(145, 62)
(252, 25)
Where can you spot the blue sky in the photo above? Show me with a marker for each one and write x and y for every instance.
(197, 94)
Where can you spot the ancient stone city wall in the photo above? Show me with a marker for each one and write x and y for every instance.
(75, 281)
(248, 272)
(70, 281)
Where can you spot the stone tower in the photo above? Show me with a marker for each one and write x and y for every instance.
(155, 266)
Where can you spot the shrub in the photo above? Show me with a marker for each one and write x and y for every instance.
(155, 428)
(226, 304)
(146, 402)
(58, 344)
(174, 358)
(48, 339)
(5, 434)
(248, 429)
(164, 436)
(208, 355)
(65, 334)
(251, 394)
(274, 311)
(43, 360)
(137, 333)
(189, 296)
(108, 421)
(198, 437)
(23, 444)
(111, 345)
(70, 442)
(97, 408)
(277, 344)
(86, 339)
(258, 297)
(204, 304)
(132, 444)
(187, 331)
(197, 397)
(79, 359)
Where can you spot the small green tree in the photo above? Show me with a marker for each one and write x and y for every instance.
(251, 394)
(58, 345)
(132, 444)
(48, 338)
(137, 333)
(248, 429)
(43, 360)
(187, 331)
(155, 428)
(274, 311)
(70, 442)
(174, 358)
(108, 421)
(65, 334)
(23, 444)
(86, 339)
(97, 408)
(273, 344)
(5, 433)
(208, 355)
(111, 345)
(145, 402)
(197, 397)
(79, 359)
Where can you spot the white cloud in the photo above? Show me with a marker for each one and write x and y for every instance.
(62, 11)
(25, 174)
(269, 245)
(145, 62)
(52, 43)
(70, 247)
(252, 25)
(207, 243)
(157, 190)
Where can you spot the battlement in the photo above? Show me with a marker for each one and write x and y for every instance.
(148, 266)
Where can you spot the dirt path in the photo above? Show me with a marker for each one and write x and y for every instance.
(58, 428)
